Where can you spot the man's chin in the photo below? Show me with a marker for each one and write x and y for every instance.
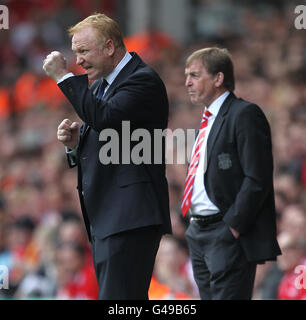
(92, 75)
(195, 101)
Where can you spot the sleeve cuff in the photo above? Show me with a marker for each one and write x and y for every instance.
(71, 152)
(66, 76)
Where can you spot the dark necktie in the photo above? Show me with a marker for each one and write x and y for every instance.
(102, 89)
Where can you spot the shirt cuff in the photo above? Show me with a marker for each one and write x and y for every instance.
(71, 152)
(66, 76)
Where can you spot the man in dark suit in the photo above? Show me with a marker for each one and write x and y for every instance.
(228, 191)
(125, 205)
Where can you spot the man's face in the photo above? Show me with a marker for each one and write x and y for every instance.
(200, 84)
(90, 54)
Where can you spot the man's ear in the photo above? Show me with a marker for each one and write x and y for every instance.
(109, 47)
(219, 79)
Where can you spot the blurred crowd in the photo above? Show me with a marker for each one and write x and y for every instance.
(42, 236)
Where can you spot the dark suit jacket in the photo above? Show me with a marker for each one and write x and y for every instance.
(239, 176)
(120, 197)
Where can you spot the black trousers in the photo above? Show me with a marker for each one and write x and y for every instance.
(220, 268)
(124, 263)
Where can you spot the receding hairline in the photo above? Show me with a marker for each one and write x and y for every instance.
(91, 30)
(103, 26)
(76, 29)
(197, 55)
(200, 54)
(84, 29)
(90, 21)
(94, 37)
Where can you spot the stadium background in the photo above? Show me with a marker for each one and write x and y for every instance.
(42, 239)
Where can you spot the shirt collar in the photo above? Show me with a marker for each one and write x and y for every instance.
(111, 77)
(216, 104)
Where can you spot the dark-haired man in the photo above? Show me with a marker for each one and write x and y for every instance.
(228, 191)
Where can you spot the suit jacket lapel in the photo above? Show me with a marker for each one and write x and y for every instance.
(218, 124)
(94, 87)
(123, 74)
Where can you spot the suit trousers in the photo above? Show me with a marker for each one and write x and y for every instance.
(124, 263)
(220, 268)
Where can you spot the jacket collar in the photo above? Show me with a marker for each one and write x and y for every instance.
(122, 75)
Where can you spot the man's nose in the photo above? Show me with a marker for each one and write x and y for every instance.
(188, 82)
(79, 60)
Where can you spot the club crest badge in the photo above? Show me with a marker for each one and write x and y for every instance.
(224, 161)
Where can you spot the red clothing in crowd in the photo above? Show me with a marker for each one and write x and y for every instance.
(293, 285)
(83, 286)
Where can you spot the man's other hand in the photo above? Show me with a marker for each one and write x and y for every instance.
(235, 233)
(68, 133)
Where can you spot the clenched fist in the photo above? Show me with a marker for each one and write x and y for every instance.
(55, 65)
(68, 133)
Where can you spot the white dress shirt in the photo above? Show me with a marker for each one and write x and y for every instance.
(200, 202)
(112, 76)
